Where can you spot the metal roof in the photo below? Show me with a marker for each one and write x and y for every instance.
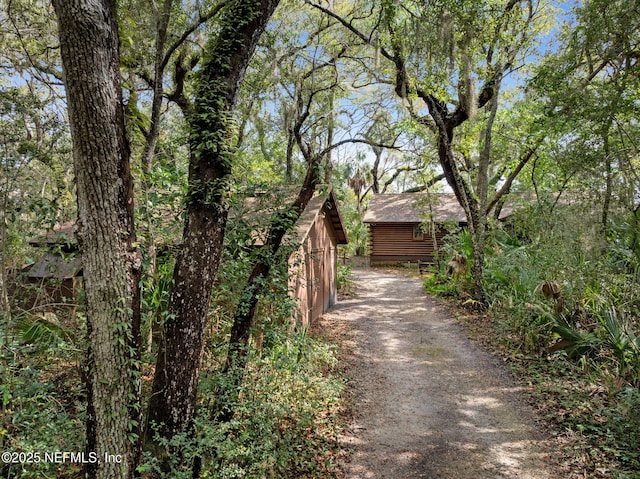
(56, 266)
(61, 234)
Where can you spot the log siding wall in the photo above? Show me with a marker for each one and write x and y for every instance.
(395, 242)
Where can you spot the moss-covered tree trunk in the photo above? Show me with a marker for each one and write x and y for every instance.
(174, 395)
(88, 33)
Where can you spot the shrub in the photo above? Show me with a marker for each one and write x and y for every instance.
(284, 426)
(41, 408)
(344, 280)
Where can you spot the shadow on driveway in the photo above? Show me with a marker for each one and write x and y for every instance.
(429, 403)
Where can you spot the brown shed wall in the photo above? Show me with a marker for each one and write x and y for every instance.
(395, 242)
(314, 271)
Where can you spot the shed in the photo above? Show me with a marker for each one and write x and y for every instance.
(312, 268)
(58, 272)
(396, 225)
(314, 263)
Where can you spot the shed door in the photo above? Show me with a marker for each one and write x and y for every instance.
(332, 283)
(317, 293)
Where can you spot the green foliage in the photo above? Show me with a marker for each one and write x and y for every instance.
(588, 92)
(345, 280)
(35, 184)
(436, 285)
(576, 343)
(595, 419)
(593, 312)
(154, 290)
(43, 330)
(443, 281)
(352, 214)
(621, 345)
(252, 218)
(458, 242)
(284, 426)
(358, 234)
(40, 398)
(41, 406)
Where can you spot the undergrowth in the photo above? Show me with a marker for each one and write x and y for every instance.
(285, 420)
(285, 423)
(41, 409)
(564, 312)
(593, 415)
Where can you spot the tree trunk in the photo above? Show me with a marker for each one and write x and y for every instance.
(174, 395)
(608, 175)
(478, 239)
(243, 319)
(470, 205)
(375, 185)
(328, 164)
(446, 125)
(88, 33)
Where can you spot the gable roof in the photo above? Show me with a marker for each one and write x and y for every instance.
(327, 202)
(55, 266)
(416, 207)
(259, 210)
(61, 234)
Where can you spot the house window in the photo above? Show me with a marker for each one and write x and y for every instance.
(418, 234)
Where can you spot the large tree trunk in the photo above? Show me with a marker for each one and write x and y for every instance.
(89, 46)
(474, 211)
(482, 191)
(174, 395)
(476, 219)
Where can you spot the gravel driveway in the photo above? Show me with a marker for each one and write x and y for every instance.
(428, 402)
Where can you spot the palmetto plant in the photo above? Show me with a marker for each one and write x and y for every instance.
(574, 342)
(623, 343)
(42, 330)
(613, 340)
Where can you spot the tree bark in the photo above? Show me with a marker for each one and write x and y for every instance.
(482, 191)
(236, 362)
(608, 192)
(375, 185)
(173, 401)
(88, 33)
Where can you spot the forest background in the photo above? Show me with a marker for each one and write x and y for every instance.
(147, 122)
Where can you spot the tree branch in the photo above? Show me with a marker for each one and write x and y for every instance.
(427, 185)
(357, 140)
(202, 19)
(506, 187)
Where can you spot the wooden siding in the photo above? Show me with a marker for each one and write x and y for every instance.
(314, 271)
(395, 242)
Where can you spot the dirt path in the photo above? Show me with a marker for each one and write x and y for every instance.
(428, 402)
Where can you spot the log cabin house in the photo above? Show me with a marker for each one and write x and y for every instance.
(401, 226)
